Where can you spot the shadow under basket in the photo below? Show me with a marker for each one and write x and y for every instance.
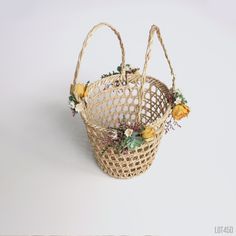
(108, 104)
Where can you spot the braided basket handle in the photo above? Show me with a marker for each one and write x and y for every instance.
(155, 29)
(89, 35)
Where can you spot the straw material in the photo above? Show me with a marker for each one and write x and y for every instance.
(135, 97)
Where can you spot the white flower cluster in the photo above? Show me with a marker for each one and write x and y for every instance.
(128, 132)
(178, 100)
(76, 107)
(128, 67)
(178, 97)
(72, 104)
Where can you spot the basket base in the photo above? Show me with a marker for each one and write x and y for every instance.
(125, 174)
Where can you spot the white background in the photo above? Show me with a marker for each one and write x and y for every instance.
(49, 181)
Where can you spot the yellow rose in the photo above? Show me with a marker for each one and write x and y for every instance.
(149, 133)
(79, 90)
(180, 111)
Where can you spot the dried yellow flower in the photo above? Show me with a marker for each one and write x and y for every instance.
(180, 111)
(149, 133)
(79, 90)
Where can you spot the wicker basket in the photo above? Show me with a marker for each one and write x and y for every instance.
(134, 96)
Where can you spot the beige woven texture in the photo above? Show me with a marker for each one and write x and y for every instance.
(138, 98)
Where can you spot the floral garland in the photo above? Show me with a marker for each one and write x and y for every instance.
(129, 136)
(128, 70)
(180, 110)
(78, 92)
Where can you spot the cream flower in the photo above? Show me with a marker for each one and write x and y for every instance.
(72, 104)
(178, 100)
(127, 67)
(78, 107)
(128, 132)
(113, 135)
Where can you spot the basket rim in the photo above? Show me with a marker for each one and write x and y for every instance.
(156, 123)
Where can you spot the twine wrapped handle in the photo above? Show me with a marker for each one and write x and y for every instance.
(154, 29)
(85, 43)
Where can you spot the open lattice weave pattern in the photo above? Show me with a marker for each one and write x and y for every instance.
(134, 97)
(107, 104)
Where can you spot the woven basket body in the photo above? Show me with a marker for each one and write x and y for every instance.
(136, 98)
(106, 106)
